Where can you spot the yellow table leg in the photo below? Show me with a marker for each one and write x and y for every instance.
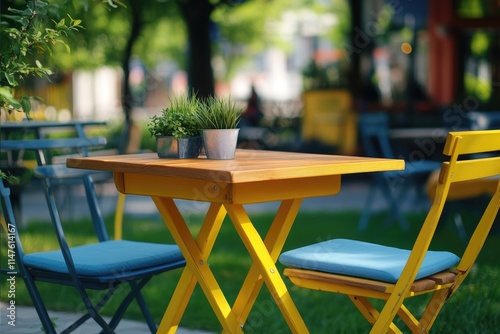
(195, 265)
(187, 282)
(120, 207)
(265, 264)
(274, 241)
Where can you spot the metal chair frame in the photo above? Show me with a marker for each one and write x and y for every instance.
(136, 278)
(394, 186)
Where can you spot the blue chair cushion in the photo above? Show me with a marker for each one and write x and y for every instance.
(107, 258)
(362, 259)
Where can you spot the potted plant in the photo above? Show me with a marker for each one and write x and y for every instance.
(176, 129)
(218, 120)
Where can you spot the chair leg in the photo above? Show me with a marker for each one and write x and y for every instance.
(93, 311)
(451, 213)
(457, 219)
(394, 206)
(433, 307)
(146, 313)
(392, 201)
(134, 294)
(87, 316)
(111, 326)
(365, 216)
(366, 308)
(39, 305)
(422, 196)
(47, 322)
(370, 313)
(409, 319)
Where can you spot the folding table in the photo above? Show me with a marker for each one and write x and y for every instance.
(252, 177)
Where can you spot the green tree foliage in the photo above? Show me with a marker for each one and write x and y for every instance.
(32, 32)
(159, 35)
(246, 30)
(155, 31)
(242, 31)
(29, 30)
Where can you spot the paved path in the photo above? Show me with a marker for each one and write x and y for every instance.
(27, 322)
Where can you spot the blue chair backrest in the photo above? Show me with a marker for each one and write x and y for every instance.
(484, 120)
(57, 174)
(7, 211)
(374, 133)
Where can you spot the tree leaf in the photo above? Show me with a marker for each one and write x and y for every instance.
(26, 104)
(10, 79)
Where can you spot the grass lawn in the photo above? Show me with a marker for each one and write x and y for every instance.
(475, 308)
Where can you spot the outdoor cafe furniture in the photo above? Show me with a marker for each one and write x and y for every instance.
(458, 196)
(18, 163)
(364, 271)
(105, 265)
(41, 128)
(252, 177)
(394, 186)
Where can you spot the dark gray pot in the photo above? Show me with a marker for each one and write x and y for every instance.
(184, 148)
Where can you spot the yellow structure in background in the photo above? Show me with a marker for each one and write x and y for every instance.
(329, 118)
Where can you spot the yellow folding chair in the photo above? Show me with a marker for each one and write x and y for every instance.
(363, 271)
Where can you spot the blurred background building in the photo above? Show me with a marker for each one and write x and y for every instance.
(415, 59)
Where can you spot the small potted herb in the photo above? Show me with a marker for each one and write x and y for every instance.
(218, 120)
(176, 129)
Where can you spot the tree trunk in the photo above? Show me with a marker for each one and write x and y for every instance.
(355, 61)
(127, 98)
(196, 14)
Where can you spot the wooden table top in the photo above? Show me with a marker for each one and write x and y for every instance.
(248, 165)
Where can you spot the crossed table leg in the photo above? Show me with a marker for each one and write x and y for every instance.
(264, 255)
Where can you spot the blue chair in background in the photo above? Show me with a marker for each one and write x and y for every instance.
(103, 265)
(394, 186)
(484, 120)
(468, 197)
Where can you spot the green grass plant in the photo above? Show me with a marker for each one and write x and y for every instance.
(474, 309)
(218, 113)
(177, 120)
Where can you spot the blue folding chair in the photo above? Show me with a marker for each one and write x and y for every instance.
(484, 120)
(103, 265)
(394, 186)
